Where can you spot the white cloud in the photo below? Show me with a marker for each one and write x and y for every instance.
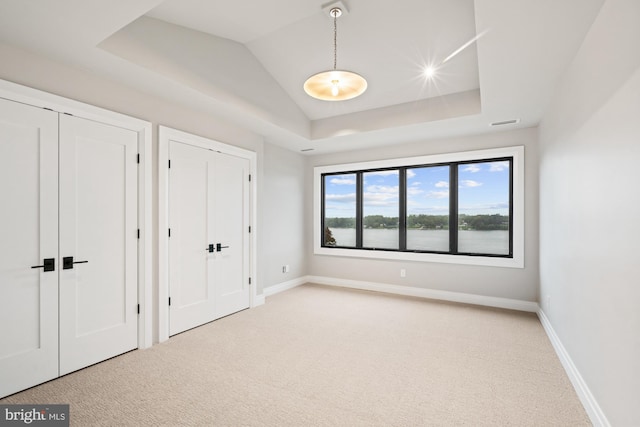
(467, 183)
(383, 189)
(341, 198)
(415, 184)
(472, 168)
(383, 173)
(410, 174)
(381, 195)
(414, 191)
(488, 208)
(380, 199)
(429, 210)
(343, 181)
(340, 208)
(442, 184)
(438, 194)
(498, 166)
(503, 205)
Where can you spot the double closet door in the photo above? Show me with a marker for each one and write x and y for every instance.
(209, 235)
(68, 244)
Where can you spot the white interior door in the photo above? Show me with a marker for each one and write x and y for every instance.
(98, 229)
(231, 225)
(208, 246)
(28, 235)
(190, 285)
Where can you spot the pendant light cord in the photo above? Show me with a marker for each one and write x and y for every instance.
(335, 39)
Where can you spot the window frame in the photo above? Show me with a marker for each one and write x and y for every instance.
(516, 217)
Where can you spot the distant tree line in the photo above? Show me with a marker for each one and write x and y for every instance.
(483, 222)
(340, 222)
(425, 222)
(428, 222)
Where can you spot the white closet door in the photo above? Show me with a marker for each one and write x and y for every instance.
(208, 208)
(98, 228)
(190, 276)
(28, 235)
(230, 193)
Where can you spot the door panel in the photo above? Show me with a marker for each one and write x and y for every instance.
(208, 205)
(191, 289)
(98, 228)
(231, 222)
(28, 234)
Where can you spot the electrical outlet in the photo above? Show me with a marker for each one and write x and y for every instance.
(403, 272)
(285, 268)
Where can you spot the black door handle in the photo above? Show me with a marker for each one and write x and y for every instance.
(210, 249)
(67, 262)
(219, 247)
(49, 264)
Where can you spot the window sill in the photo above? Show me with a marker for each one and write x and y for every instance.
(515, 262)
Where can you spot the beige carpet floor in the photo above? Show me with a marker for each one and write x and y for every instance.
(321, 356)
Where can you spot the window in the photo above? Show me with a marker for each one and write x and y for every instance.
(462, 207)
(380, 209)
(340, 210)
(484, 206)
(428, 209)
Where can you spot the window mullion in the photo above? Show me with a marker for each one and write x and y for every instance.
(453, 208)
(402, 205)
(322, 217)
(359, 209)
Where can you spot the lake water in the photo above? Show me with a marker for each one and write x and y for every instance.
(471, 241)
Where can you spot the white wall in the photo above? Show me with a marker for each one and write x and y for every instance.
(518, 284)
(35, 71)
(590, 212)
(283, 228)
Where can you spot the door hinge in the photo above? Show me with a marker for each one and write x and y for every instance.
(45, 108)
(169, 300)
(68, 114)
(138, 308)
(138, 158)
(249, 229)
(169, 164)
(169, 232)
(138, 233)
(249, 177)
(249, 280)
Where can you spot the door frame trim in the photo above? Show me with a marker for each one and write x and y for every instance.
(165, 134)
(37, 98)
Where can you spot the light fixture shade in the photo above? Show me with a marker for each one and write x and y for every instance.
(335, 85)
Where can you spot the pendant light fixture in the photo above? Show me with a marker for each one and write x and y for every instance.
(335, 85)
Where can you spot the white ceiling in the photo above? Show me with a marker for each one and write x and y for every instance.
(246, 60)
(389, 46)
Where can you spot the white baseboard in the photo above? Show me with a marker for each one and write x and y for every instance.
(285, 286)
(406, 290)
(595, 413)
(429, 293)
(258, 300)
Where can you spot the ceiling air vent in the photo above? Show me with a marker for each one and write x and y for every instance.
(506, 122)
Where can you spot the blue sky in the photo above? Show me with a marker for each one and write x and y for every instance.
(483, 189)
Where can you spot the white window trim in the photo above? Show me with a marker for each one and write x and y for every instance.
(517, 261)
